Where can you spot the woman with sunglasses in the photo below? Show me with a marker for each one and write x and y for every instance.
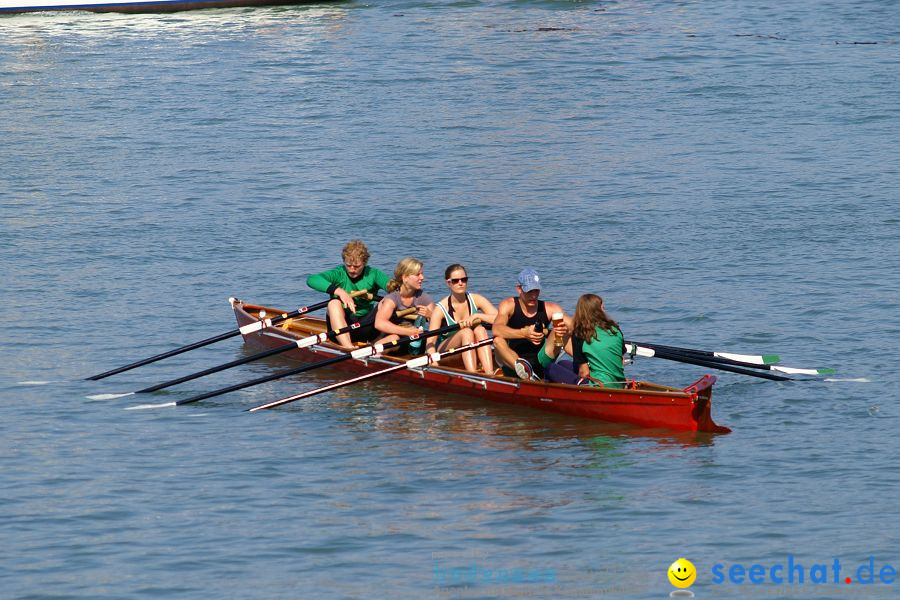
(462, 307)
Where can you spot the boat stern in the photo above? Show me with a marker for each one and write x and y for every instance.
(701, 394)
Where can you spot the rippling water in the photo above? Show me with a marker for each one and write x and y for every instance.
(725, 174)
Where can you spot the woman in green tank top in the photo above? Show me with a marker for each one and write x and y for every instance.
(461, 307)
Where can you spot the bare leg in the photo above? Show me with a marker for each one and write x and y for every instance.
(550, 348)
(505, 354)
(469, 359)
(485, 354)
(338, 320)
(461, 338)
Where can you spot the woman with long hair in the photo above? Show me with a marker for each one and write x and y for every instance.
(597, 343)
(404, 291)
(462, 306)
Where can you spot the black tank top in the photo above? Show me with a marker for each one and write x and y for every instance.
(518, 320)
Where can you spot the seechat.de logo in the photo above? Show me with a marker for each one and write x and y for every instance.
(794, 572)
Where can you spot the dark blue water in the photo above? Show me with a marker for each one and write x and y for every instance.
(724, 174)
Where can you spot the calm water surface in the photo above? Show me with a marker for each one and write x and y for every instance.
(725, 174)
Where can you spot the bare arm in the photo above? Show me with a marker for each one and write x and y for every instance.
(346, 298)
(487, 312)
(437, 318)
(553, 307)
(501, 329)
(383, 323)
(426, 310)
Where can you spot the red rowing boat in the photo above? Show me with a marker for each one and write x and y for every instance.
(642, 403)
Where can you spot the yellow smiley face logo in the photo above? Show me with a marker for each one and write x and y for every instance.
(682, 573)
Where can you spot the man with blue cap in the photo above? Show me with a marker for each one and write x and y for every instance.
(521, 325)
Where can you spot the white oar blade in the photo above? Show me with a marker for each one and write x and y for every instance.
(764, 359)
(108, 396)
(148, 406)
(795, 371)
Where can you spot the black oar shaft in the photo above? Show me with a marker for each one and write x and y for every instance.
(168, 354)
(213, 340)
(405, 365)
(258, 356)
(708, 355)
(327, 388)
(309, 367)
(717, 359)
(218, 368)
(692, 360)
(689, 351)
(272, 377)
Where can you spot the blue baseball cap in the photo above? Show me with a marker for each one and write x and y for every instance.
(529, 280)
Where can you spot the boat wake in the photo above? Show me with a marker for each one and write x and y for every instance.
(37, 382)
(851, 380)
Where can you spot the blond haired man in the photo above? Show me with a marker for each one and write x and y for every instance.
(353, 275)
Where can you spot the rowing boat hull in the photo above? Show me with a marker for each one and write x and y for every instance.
(648, 405)
(132, 6)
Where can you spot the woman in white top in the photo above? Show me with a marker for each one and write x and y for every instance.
(462, 307)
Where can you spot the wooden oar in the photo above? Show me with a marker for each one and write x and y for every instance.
(415, 363)
(364, 352)
(318, 338)
(644, 350)
(694, 360)
(756, 359)
(250, 328)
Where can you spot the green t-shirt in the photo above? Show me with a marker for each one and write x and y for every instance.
(603, 354)
(371, 280)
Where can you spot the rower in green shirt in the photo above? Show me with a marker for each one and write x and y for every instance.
(598, 344)
(339, 282)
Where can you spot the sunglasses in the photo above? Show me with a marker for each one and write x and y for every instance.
(456, 280)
